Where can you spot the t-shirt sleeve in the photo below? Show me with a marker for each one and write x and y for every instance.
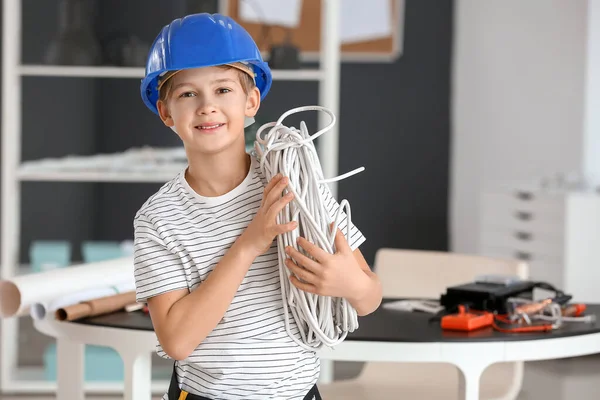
(356, 237)
(157, 270)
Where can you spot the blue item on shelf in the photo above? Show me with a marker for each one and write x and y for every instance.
(49, 254)
(101, 364)
(95, 251)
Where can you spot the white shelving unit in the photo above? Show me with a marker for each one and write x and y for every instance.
(13, 379)
(130, 72)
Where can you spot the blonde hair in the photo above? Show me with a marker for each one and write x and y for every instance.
(244, 72)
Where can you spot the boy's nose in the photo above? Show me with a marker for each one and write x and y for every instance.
(206, 107)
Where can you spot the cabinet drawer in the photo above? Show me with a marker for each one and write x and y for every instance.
(523, 241)
(494, 250)
(547, 226)
(542, 202)
(506, 209)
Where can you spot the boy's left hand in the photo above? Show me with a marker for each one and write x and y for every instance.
(335, 275)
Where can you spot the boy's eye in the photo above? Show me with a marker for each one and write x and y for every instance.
(223, 90)
(187, 94)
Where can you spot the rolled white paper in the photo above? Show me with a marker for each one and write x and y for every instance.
(39, 310)
(18, 294)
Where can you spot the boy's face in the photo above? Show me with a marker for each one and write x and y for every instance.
(207, 107)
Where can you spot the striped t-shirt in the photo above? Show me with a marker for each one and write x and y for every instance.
(180, 236)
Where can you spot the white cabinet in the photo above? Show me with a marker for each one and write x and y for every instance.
(556, 232)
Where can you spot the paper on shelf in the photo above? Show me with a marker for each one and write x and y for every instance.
(272, 12)
(19, 293)
(39, 310)
(144, 159)
(362, 20)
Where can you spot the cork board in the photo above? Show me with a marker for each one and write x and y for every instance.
(307, 35)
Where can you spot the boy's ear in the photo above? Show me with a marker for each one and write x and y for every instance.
(163, 112)
(252, 102)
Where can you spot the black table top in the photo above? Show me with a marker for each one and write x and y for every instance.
(388, 325)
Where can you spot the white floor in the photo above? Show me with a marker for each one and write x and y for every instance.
(571, 379)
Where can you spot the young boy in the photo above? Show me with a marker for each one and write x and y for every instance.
(205, 250)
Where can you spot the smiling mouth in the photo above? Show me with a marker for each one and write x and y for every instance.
(209, 127)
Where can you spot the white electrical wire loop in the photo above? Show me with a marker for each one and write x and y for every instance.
(321, 320)
(552, 313)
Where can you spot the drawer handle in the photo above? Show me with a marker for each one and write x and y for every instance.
(524, 195)
(521, 255)
(523, 215)
(524, 235)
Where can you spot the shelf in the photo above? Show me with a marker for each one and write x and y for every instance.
(137, 72)
(24, 269)
(77, 71)
(147, 164)
(153, 176)
(31, 380)
(298, 75)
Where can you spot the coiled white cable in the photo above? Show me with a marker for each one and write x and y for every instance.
(322, 320)
(553, 313)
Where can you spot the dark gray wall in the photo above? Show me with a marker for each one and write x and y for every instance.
(394, 120)
(122, 117)
(58, 120)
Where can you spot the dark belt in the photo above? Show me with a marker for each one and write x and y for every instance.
(175, 393)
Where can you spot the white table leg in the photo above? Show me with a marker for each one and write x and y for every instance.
(69, 369)
(138, 376)
(516, 383)
(326, 375)
(469, 381)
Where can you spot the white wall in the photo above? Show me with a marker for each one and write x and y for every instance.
(518, 99)
(591, 128)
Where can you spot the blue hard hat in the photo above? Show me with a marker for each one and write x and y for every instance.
(201, 40)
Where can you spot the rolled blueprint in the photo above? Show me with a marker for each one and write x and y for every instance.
(91, 308)
(20, 292)
(39, 310)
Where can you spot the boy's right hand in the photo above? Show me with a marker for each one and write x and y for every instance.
(263, 229)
